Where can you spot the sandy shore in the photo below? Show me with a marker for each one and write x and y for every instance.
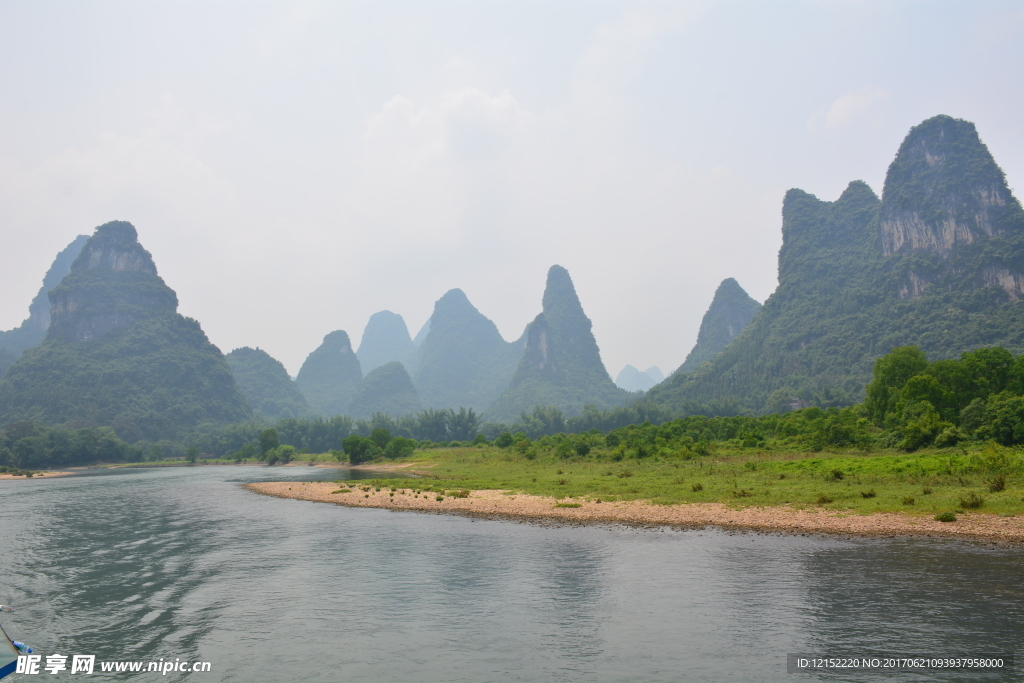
(35, 475)
(499, 504)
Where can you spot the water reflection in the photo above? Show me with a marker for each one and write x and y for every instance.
(184, 563)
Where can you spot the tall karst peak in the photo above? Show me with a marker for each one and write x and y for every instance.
(561, 365)
(945, 196)
(112, 285)
(936, 263)
(329, 377)
(115, 246)
(730, 312)
(386, 339)
(463, 359)
(118, 354)
(560, 298)
(33, 329)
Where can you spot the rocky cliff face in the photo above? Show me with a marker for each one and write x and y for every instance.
(463, 359)
(936, 262)
(561, 364)
(112, 285)
(117, 353)
(730, 312)
(330, 375)
(33, 329)
(946, 197)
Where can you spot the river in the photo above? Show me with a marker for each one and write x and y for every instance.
(182, 563)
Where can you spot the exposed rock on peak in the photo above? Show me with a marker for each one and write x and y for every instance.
(112, 285)
(561, 365)
(946, 196)
(118, 354)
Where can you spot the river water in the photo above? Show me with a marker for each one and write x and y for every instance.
(182, 563)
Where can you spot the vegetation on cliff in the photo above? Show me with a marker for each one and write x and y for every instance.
(263, 380)
(861, 276)
(118, 355)
(463, 359)
(329, 376)
(561, 365)
(730, 312)
(388, 389)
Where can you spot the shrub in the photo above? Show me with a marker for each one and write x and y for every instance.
(908, 500)
(972, 501)
(824, 500)
(696, 488)
(568, 505)
(997, 484)
(945, 517)
(870, 493)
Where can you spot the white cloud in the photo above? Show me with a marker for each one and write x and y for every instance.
(853, 105)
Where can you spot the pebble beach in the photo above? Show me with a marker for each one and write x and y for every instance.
(784, 519)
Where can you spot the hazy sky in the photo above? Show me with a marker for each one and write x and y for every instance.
(294, 167)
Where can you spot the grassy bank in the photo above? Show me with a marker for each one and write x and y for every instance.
(983, 479)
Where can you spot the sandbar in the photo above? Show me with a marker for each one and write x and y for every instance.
(507, 505)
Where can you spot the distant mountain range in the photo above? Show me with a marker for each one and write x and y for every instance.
(937, 261)
(631, 379)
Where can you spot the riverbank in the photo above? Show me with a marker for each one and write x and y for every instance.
(505, 505)
(35, 475)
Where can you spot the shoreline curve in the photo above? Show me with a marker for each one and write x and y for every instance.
(776, 519)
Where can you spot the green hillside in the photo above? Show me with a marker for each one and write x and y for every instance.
(118, 354)
(561, 365)
(330, 374)
(938, 263)
(263, 380)
(463, 360)
(388, 389)
(730, 312)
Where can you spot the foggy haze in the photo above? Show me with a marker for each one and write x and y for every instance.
(295, 167)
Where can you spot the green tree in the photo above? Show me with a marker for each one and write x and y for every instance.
(890, 374)
(359, 449)
(380, 437)
(191, 454)
(268, 440)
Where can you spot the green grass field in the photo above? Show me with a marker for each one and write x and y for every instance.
(987, 479)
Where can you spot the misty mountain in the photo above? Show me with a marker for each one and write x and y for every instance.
(463, 359)
(937, 262)
(561, 365)
(264, 381)
(118, 354)
(386, 339)
(631, 379)
(730, 312)
(33, 329)
(387, 389)
(330, 374)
